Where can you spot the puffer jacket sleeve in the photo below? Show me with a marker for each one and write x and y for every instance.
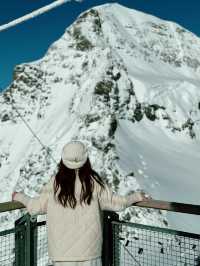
(113, 202)
(37, 205)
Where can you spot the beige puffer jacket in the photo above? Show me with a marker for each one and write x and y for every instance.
(75, 234)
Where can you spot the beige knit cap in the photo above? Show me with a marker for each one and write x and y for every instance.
(74, 154)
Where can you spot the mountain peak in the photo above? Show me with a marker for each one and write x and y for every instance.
(138, 34)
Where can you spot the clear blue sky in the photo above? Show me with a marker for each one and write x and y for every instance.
(30, 40)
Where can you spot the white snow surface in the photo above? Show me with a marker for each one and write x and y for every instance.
(98, 83)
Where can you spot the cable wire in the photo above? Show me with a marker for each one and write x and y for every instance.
(31, 130)
(34, 14)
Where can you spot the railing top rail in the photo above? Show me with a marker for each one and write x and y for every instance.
(170, 206)
(10, 206)
(155, 204)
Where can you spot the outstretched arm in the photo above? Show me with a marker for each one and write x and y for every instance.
(113, 202)
(37, 205)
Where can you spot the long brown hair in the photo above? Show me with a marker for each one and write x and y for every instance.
(65, 180)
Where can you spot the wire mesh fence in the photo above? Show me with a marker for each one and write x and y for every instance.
(13, 248)
(127, 244)
(42, 245)
(7, 247)
(136, 244)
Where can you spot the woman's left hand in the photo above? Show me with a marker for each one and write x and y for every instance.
(13, 195)
(142, 196)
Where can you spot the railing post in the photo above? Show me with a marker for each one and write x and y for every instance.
(107, 250)
(116, 246)
(19, 244)
(26, 241)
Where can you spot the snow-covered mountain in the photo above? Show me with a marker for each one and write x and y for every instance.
(128, 85)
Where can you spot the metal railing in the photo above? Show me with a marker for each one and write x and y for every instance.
(138, 244)
(124, 243)
(25, 244)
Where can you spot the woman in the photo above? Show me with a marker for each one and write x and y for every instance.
(72, 201)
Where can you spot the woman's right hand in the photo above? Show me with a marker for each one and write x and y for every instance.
(13, 195)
